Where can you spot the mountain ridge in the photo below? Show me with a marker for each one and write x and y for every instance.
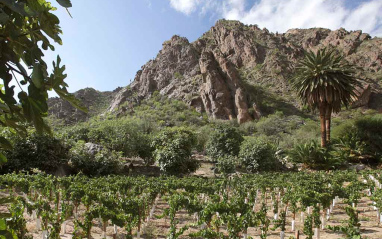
(216, 73)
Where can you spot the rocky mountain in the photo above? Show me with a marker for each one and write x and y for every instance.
(233, 69)
(95, 101)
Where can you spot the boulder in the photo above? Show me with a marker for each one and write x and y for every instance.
(93, 148)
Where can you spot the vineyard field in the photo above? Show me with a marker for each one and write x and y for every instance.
(341, 204)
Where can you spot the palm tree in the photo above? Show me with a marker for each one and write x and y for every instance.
(324, 81)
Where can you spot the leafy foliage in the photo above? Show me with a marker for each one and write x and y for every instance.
(37, 151)
(313, 156)
(26, 29)
(161, 111)
(324, 78)
(103, 162)
(225, 140)
(129, 136)
(227, 164)
(258, 155)
(352, 228)
(359, 140)
(173, 150)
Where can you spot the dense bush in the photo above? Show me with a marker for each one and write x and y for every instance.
(258, 155)
(360, 139)
(306, 132)
(225, 140)
(103, 162)
(132, 137)
(313, 156)
(226, 164)
(173, 150)
(202, 135)
(37, 151)
(167, 112)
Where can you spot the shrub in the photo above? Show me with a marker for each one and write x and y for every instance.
(308, 130)
(249, 128)
(360, 139)
(226, 164)
(173, 147)
(225, 140)
(258, 155)
(103, 162)
(129, 136)
(80, 132)
(202, 136)
(37, 151)
(272, 125)
(312, 155)
(349, 147)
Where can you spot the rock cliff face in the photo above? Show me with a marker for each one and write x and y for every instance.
(95, 101)
(212, 73)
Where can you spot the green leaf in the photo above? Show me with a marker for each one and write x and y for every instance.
(18, 7)
(5, 144)
(37, 75)
(65, 3)
(3, 159)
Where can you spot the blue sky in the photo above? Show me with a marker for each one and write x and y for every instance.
(107, 42)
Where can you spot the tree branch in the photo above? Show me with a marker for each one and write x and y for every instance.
(14, 69)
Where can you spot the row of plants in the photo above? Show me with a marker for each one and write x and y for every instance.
(223, 208)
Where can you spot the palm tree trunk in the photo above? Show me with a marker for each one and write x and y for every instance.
(328, 120)
(323, 124)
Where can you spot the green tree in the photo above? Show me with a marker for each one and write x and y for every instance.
(324, 81)
(173, 151)
(26, 29)
(225, 140)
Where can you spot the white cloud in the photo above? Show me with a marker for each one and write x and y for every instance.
(367, 17)
(185, 6)
(282, 15)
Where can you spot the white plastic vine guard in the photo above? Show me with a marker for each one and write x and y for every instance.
(293, 225)
(323, 224)
(317, 233)
(44, 234)
(63, 228)
(38, 224)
